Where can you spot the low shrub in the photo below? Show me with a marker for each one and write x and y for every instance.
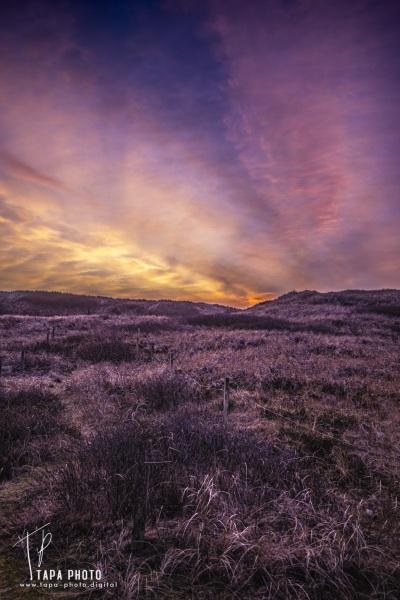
(34, 362)
(63, 346)
(335, 388)
(299, 416)
(256, 322)
(165, 391)
(290, 385)
(29, 419)
(125, 470)
(240, 321)
(389, 310)
(312, 442)
(151, 325)
(108, 475)
(113, 351)
(335, 421)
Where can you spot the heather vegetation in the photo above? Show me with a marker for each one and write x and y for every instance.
(112, 430)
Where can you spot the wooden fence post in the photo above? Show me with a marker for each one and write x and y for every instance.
(226, 400)
(138, 343)
(171, 359)
(22, 360)
(48, 335)
(53, 332)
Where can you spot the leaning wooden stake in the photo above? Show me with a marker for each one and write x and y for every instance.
(226, 400)
(53, 332)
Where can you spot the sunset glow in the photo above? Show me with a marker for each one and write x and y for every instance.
(200, 150)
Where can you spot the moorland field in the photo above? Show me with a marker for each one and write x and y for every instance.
(112, 431)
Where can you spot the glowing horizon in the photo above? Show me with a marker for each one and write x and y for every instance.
(198, 151)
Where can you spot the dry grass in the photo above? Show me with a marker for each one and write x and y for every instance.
(128, 458)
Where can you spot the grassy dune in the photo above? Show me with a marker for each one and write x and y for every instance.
(111, 430)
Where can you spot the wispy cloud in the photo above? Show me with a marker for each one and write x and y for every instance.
(306, 111)
(12, 166)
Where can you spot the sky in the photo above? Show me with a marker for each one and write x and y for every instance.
(223, 151)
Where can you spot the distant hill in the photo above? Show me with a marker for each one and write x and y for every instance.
(344, 298)
(347, 298)
(42, 303)
(337, 308)
(308, 304)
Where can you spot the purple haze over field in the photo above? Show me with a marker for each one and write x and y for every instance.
(225, 151)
